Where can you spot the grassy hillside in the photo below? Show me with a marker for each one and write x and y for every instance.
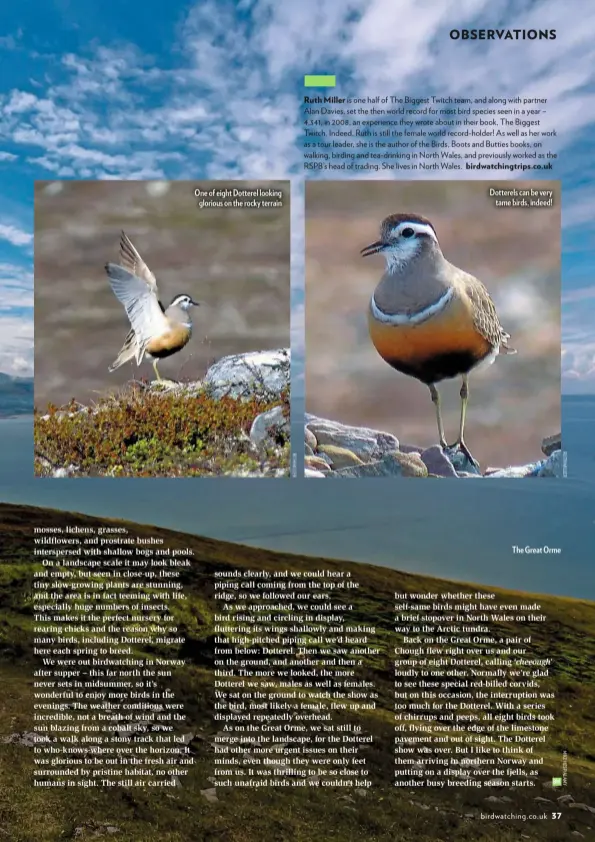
(383, 814)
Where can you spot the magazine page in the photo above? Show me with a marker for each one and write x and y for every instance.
(296, 242)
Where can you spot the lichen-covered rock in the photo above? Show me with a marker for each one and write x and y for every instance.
(365, 443)
(340, 457)
(460, 461)
(514, 472)
(391, 465)
(553, 465)
(365, 452)
(310, 438)
(437, 462)
(310, 473)
(269, 426)
(316, 463)
(243, 375)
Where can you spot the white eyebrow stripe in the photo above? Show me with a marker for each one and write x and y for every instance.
(418, 227)
(397, 319)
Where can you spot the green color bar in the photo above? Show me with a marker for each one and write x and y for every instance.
(320, 81)
(556, 781)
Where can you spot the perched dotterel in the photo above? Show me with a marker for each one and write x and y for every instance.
(428, 318)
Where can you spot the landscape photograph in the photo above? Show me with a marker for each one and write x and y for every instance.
(195, 808)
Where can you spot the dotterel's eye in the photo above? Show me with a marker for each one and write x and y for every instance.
(407, 232)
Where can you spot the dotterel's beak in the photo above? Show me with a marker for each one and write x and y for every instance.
(373, 248)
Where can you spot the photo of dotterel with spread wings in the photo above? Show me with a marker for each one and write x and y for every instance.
(157, 332)
(162, 328)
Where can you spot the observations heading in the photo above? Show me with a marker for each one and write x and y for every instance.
(503, 34)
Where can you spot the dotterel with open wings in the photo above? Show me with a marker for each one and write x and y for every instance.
(156, 331)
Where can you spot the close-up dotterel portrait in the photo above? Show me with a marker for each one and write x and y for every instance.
(433, 329)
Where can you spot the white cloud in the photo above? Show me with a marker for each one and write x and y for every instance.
(21, 366)
(16, 288)
(232, 99)
(11, 42)
(580, 210)
(577, 295)
(578, 357)
(15, 236)
(16, 348)
(228, 103)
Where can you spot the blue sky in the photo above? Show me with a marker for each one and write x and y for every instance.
(162, 90)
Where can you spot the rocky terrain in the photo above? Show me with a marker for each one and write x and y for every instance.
(339, 451)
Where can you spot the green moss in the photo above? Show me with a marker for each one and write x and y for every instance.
(142, 432)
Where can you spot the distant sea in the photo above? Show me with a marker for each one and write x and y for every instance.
(459, 530)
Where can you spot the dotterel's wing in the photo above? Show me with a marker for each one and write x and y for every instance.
(130, 259)
(147, 319)
(485, 315)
